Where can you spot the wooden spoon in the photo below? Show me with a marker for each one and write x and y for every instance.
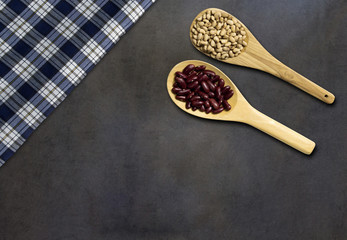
(257, 57)
(242, 111)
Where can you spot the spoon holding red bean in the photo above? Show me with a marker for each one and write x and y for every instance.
(203, 90)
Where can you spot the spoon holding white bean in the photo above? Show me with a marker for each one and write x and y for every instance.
(219, 35)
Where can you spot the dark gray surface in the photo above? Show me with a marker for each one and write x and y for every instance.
(118, 160)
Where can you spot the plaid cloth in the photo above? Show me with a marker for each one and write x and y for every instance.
(46, 48)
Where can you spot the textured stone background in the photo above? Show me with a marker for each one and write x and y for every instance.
(118, 160)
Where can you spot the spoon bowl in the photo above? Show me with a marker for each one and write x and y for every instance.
(242, 111)
(254, 55)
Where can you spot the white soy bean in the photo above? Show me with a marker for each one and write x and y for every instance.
(233, 28)
(236, 50)
(230, 22)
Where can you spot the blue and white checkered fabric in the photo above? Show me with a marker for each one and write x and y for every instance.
(46, 48)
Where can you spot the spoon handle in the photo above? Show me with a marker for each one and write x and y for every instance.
(279, 131)
(273, 66)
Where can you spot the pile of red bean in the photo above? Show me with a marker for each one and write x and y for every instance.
(202, 89)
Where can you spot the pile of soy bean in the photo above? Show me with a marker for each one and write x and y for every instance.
(219, 35)
(202, 89)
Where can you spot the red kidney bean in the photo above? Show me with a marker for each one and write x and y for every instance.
(188, 105)
(184, 92)
(215, 78)
(175, 85)
(181, 82)
(218, 92)
(211, 86)
(210, 73)
(175, 90)
(211, 95)
(192, 78)
(226, 105)
(190, 95)
(218, 110)
(209, 109)
(205, 87)
(214, 103)
(197, 88)
(200, 68)
(202, 108)
(181, 75)
(188, 69)
(225, 89)
(181, 98)
(207, 104)
(197, 104)
(221, 83)
(203, 95)
(220, 100)
(194, 108)
(193, 85)
(228, 94)
(203, 78)
(195, 98)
